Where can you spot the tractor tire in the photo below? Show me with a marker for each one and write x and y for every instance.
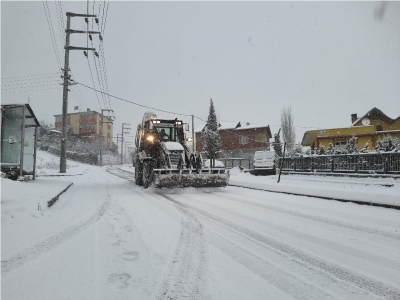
(138, 172)
(147, 177)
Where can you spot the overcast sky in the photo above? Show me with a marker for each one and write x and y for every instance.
(326, 60)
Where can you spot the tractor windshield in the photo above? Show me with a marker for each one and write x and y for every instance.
(169, 134)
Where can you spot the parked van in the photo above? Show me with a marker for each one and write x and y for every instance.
(264, 163)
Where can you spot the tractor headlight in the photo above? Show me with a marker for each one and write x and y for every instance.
(150, 138)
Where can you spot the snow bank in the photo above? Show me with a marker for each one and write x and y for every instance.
(49, 164)
(369, 190)
(20, 200)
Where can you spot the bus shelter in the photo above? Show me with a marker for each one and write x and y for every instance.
(19, 128)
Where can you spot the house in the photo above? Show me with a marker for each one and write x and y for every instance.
(87, 125)
(240, 139)
(369, 128)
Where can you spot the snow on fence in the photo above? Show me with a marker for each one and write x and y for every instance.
(384, 163)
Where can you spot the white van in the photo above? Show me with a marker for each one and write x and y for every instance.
(264, 163)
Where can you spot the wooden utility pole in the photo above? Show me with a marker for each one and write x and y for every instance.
(67, 47)
(101, 134)
(193, 142)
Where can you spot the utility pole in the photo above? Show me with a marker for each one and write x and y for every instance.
(193, 143)
(126, 150)
(101, 134)
(122, 139)
(66, 77)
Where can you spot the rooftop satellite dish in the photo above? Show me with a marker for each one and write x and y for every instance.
(365, 121)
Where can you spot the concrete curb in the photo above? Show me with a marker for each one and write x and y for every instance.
(54, 199)
(325, 198)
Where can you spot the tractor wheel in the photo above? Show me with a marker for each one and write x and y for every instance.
(146, 174)
(138, 173)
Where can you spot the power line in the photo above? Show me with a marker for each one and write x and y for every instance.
(15, 92)
(141, 105)
(102, 16)
(105, 19)
(102, 63)
(78, 91)
(59, 23)
(26, 76)
(91, 75)
(157, 109)
(62, 18)
(78, 94)
(26, 83)
(99, 77)
(77, 101)
(52, 35)
(16, 87)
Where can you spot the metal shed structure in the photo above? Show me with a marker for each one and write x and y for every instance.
(18, 140)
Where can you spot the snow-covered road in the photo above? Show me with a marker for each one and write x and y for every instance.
(109, 239)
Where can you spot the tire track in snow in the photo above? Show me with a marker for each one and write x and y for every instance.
(122, 174)
(185, 278)
(271, 273)
(48, 244)
(365, 283)
(319, 219)
(359, 254)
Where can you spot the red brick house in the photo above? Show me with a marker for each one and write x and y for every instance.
(240, 140)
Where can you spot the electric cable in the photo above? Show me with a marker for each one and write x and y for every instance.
(52, 35)
(34, 75)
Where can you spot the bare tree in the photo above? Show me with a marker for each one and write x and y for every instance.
(288, 130)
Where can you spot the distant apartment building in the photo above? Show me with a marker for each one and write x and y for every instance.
(87, 125)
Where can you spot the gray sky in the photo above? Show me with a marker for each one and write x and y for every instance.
(326, 60)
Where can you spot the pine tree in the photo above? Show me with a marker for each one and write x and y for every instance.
(321, 150)
(352, 145)
(277, 144)
(210, 136)
(331, 149)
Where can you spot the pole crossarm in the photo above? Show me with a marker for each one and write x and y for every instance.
(82, 31)
(70, 14)
(78, 48)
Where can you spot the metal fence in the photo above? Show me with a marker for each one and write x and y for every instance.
(386, 163)
(236, 162)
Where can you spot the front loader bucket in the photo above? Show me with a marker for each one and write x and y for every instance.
(170, 178)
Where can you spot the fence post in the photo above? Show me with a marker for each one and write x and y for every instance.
(356, 163)
(386, 165)
(312, 164)
(333, 163)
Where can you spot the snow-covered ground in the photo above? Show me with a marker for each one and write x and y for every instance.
(106, 238)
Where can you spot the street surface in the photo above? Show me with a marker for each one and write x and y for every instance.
(106, 238)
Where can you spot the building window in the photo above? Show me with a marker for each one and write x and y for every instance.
(243, 140)
(340, 144)
(378, 127)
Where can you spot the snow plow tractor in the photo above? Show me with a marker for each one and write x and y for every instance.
(163, 159)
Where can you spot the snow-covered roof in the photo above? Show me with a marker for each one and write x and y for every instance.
(374, 112)
(30, 118)
(233, 125)
(55, 131)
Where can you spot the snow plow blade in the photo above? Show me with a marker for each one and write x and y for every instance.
(164, 178)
